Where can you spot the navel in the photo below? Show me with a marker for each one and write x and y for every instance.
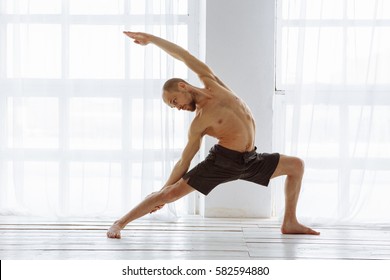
(220, 121)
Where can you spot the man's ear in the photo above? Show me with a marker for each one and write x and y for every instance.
(182, 85)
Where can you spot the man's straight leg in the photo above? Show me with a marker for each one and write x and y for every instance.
(151, 203)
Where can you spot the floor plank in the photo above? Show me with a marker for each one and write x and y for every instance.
(188, 238)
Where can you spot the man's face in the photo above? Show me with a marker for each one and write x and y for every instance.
(182, 100)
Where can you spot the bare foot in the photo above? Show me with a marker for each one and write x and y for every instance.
(114, 231)
(297, 228)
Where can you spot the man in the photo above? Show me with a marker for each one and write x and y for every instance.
(220, 114)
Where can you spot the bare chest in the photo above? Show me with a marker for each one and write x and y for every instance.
(227, 120)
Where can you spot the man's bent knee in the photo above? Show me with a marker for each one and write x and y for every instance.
(298, 166)
(290, 166)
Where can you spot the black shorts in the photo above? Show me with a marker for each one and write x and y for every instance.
(223, 165)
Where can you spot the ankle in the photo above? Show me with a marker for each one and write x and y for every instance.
(119, 224)
(290, 219)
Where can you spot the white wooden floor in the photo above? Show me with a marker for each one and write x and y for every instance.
(188, 238)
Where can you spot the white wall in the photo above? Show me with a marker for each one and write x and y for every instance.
(240, 50)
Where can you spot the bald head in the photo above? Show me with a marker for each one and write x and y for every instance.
(176, 95)
(173, 84)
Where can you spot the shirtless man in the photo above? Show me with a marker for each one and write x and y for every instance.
(220, 114)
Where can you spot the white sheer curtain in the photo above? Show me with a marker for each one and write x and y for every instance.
(333, 105)
(83, 130)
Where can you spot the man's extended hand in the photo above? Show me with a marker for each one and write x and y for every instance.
(139, 38)
(156, 208)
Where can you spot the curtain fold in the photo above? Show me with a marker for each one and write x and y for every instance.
(333, 64)
(83, 130)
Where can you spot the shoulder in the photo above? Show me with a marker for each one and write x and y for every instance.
(212, 81)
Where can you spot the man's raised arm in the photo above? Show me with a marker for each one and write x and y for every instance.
(199, 67)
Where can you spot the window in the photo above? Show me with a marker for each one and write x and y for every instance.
(83, 128)
(333, 102)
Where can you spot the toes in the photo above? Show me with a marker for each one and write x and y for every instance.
(298, 229)
(113, 235)
(311, 231)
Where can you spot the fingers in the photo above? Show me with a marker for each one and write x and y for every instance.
(154, 210)
(158, 207)
(129, 33)
(139, 38)
(133, 35)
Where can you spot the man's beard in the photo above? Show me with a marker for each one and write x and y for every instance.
(192, 106)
